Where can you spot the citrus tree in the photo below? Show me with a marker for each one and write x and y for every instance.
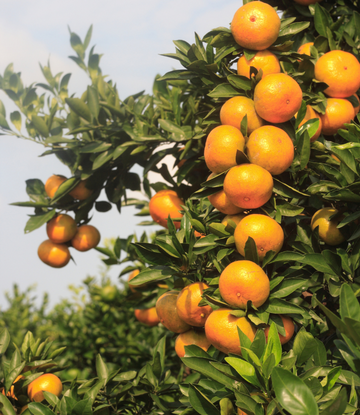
(260, 239)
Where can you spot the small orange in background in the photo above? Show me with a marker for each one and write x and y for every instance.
(163, 204)
(234, 218)
(222, 203)
(277, 98)
(289, 329)
(310, 115)
(221, 330)
(264, 60)
(341, 71)
(271, 148)
(53, 183)
(54, 255)
(187, 304)
(243, 281)
(222, 146)
(305, 49)
(255, 25)
(61, 229)
(167, 311)
(132, 275)
(86, 238)
(80, 191)
(48, 383)
(11, 393)
(234, 110)
(338, 112)
(328, 230)
(188, 338)
(147, 316)
(248, 186)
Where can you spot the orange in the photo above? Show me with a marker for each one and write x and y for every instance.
(221, 330)
(11, 391)
(187, 304)
(234, 110)
(328, 230)
(271, 148)
(266, 232)
(61, 229)
(277, 98)
(338, 113)
(147, 316)
(54, 255)
(309, 115)
(248, 186)
(243, 281)
(264, 60)
(234, 218)
(305, 48)
(191, 337)
(255, 25)
(167, 311)
(341, 71)
(132, 275)
(86, 237)
(163, 204)
(306, 2)
(222, 203)
(80, 191)
(222, 146)
(289, 329)
(53, 183)
(48, 383)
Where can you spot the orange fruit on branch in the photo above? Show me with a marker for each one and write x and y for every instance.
(243, 281)
(234, 110)
(264, 60)
(44, 383)
(277, 98)
(187, 304)
(338, 112)
(305, 48)
(310, 115)
(266, 232)
(328, 230)
(147, 316)
(86, 238)
(255, 25)
(221, 330)
(53, 183)
(234, 218)
(163, 204)
(248, 186)
(340, 70)
(271, 148)
(61, 229)
(289, 329)
(188, 338)
(54, 255)
(222, 203)
(80, 191)
(222, 146)
(167, 311)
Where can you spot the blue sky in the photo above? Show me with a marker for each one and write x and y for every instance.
(131, 35)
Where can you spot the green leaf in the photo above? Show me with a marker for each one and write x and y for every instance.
(79, 107)
(101, 369)
(287, 287)
(349, 305)
(223, 91)
(93, 101)
(251, 252)
(36, 221)
(7, 408)
(201, 403)
(292, 393)
(304, 346)
(39, 409)
(15, 118)
(40, 125)
(245, 369)
(322, 20)
(4, 340)
(273, 344)
(336, 406)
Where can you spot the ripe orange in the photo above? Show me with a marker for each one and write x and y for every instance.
(80, 191)
(328, 230)
(234, 218)
(271, 148)
(222, 203)
(255, 25)
(248, 186)
(234, 109)
(305, 48)
(289, 329)
(338, 113)
(61, 229)
(221, 330)
(53, 183)
(163, 204)
(132, 275)
(54, 255)
(167, 311)
(147, 316)
(264, 60)
(243, 281)
(222, 146)
(191, 337)
(341, 71)
(309, 115)
(86, 237)
(48, 383)
(187, 304)
(11, 391)
(266, 232)
(277, 98)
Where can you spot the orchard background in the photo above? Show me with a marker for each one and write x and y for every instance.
(120, 368)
